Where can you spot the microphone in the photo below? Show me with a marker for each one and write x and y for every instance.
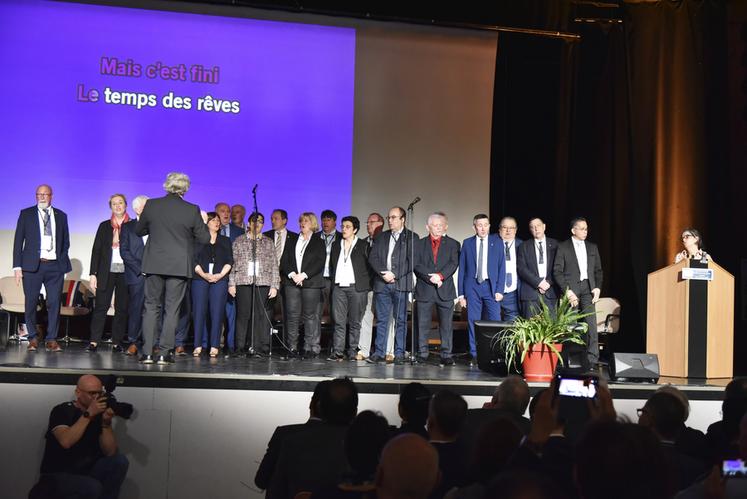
(414, 202)
(254, 190)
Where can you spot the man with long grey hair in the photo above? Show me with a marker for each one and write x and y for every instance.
(173, 226)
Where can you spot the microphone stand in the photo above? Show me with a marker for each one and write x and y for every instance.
(411, 270)
(255, 213)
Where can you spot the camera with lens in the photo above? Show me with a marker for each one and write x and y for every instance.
(121, 409)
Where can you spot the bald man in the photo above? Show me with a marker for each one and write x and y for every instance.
(40, 257)
(80, 456)
(408, 468)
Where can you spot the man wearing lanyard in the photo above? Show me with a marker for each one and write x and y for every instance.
(510, 302)
(40, 256)
(330, 236)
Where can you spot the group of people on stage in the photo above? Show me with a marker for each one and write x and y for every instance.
(173, 263)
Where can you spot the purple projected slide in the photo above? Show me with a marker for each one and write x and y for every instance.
(99, 100)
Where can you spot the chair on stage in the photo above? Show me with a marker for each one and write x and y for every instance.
(13, 304)
(608, 321)
(76, 299)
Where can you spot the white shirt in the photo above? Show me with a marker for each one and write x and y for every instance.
(301, 245)
(541, 267)
(485, 245)
(47, 253)
(328, 242)
(392, 244)
(344, 275)
(580, 248)
(511, 266)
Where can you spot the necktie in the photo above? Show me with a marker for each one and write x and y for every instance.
(47, 225)
(542, 253)
(226, 231)
(509, 277)
(480, 255)
(395, 235)
(277, 246)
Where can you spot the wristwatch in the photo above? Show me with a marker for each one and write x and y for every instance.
(87, 415)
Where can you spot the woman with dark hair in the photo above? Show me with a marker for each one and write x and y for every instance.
(254, 277)
(693, 243)
(108, 278)
(213, 262)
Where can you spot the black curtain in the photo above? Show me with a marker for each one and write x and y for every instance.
(627, 126)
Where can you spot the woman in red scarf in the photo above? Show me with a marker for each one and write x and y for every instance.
(107, 277)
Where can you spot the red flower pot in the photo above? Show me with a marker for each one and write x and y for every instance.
(540, 362)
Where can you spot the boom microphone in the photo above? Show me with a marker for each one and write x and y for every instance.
(254, 191)
(414, 202)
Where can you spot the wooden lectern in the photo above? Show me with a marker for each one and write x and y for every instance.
(690, 322)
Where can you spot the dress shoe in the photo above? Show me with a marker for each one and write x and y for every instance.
(52, 346)
(335, 357)
(33, 345)
(117, 348)
(399, 360)
(375, 359)
(180, 352)
(146, 359)
(92, 347)
(289, 355)
(164, 360)
(472, 361)
(447, 361)
(310, 356)
(420, 360)
(132, 349)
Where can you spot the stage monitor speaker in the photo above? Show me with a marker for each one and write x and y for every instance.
(490, 357)
(642, 367)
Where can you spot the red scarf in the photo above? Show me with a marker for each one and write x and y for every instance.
(116, 227)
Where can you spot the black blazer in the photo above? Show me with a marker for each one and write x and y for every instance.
(400, 265)
(359, 257)
(173, 227)
(223, 254)
(447, 262)
(101, 254)
(131, 248)
(267, 467)
(27, 241)
(526, 266)
(312, 264)
(566, 271)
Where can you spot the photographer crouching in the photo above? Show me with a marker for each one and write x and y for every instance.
(80, 456)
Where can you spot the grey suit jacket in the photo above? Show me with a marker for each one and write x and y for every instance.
(173, 227)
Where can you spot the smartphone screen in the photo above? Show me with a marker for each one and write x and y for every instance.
(579, 388)
(733, 468)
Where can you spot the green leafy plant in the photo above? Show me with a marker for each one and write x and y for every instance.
(547, 327)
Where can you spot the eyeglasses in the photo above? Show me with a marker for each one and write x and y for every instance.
(685, 236)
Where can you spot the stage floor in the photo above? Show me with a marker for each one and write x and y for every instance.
(18, 366)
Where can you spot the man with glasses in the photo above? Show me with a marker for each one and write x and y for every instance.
(80, 455)
(390, 261)
(40, 256)
(578, 272)
(510, 303)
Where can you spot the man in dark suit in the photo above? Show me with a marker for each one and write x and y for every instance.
(390, 262)
(315, 458)
(482, 277)
(511, 244)
(131, 248)
(173, 227)
(280, 236)
(266, 468)
(578, 272)
(40, 256)
(535, 260)
(330, 235)
(231, 231)
(436, 261)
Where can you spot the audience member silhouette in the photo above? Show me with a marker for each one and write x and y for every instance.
(408, 468)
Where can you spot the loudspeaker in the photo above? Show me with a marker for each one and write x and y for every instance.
(489, 357)
(635, 367)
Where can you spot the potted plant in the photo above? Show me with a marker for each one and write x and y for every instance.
(536, 342)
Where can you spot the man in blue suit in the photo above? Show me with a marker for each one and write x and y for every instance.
(131, 249)
(40, 257)
(482, 274)
(510, 303)
(231, 231)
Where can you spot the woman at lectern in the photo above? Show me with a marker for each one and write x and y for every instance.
(693, 243)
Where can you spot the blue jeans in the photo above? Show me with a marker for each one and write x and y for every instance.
(102, 482)
(390, 302)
